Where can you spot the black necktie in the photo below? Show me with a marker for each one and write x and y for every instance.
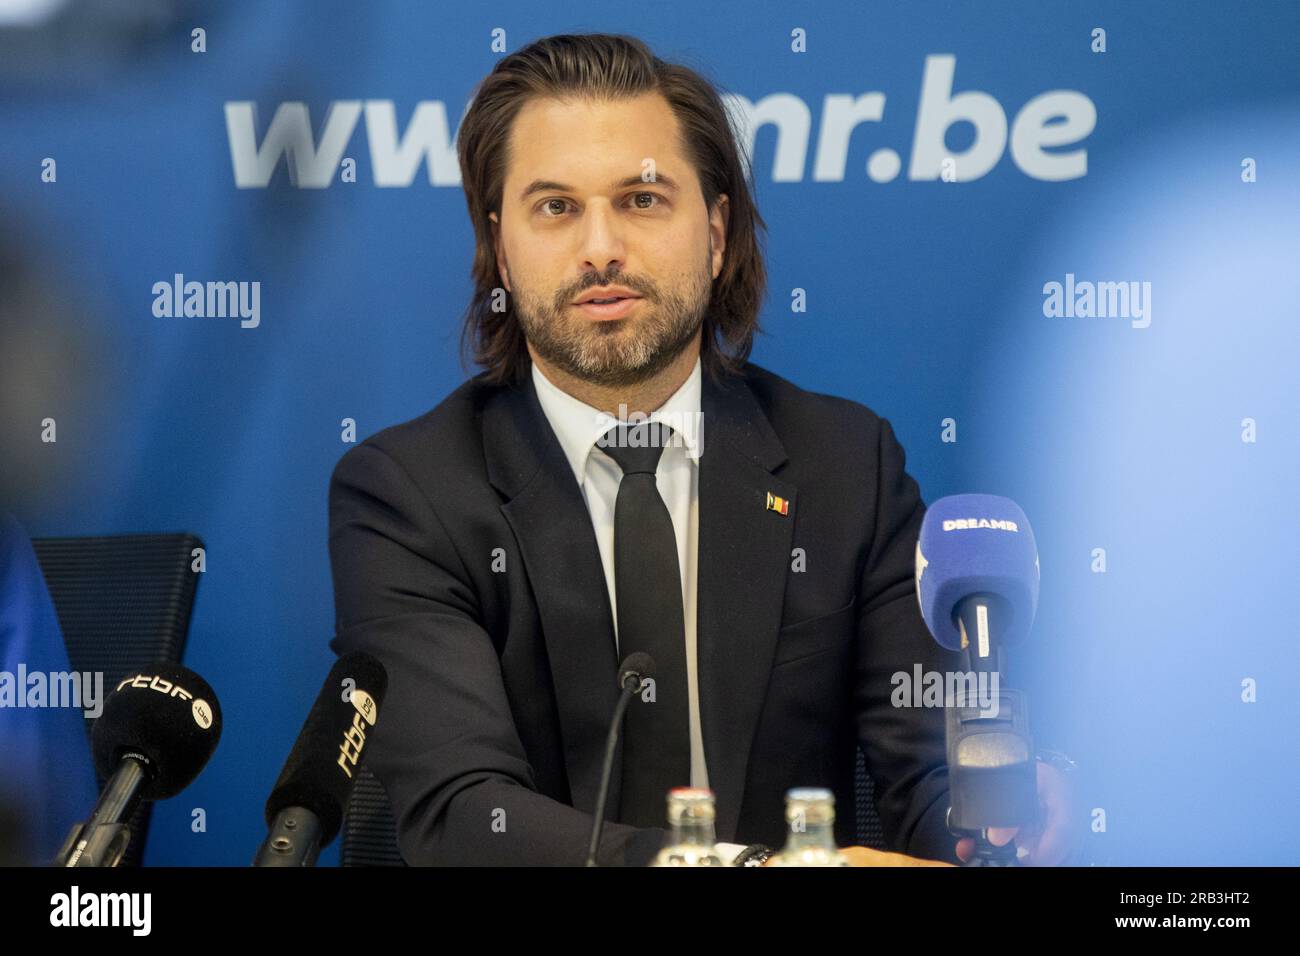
(648, 595)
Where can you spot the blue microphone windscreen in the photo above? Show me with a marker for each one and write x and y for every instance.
(972, 544)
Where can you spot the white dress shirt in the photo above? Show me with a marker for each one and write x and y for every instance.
(578, 425)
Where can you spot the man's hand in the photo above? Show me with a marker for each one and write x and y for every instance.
(865, 856)
(1052, 836)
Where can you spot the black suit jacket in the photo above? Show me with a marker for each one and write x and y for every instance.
(464, 558)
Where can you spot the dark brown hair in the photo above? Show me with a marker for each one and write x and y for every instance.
(607, 66)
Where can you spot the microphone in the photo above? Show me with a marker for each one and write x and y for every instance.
(977, 575)
(636, 668)
(156, 733)
(305, 810)
(977, 583)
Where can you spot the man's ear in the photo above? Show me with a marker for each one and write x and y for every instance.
(718, 220)
(499, 250)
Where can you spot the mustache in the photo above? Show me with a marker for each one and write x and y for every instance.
(644, 290)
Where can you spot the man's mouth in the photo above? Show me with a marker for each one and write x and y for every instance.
(611, 308)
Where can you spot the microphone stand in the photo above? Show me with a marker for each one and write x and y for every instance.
(101, 840)
(631, 683)
(294, 839)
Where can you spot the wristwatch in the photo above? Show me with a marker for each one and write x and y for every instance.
(756, 854)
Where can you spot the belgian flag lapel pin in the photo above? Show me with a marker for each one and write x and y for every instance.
(780, 505)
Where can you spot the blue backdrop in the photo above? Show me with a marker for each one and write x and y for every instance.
(1160, 657)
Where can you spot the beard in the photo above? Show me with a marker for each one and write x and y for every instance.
(615, 353)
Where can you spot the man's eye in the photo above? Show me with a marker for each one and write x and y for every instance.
(554, 208)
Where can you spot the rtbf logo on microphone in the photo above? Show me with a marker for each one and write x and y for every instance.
(354, 738)
(199, 708)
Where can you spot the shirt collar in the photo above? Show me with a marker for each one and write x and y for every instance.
(577, 425)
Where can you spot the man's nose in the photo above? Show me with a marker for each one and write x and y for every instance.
(602, 242)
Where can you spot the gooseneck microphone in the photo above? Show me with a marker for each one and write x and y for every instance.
(635, 669)
(977, 581)
(157, 731)
(305, 810)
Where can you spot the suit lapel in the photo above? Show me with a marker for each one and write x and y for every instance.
(744, 555)
(546, 510)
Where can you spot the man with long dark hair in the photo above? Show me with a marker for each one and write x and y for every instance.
(620, 478)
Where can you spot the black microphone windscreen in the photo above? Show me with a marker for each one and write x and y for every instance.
(639, 663)
(322, 766)
(166, 713)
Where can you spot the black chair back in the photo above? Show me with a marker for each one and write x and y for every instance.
(123, 602)
(369, 830)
